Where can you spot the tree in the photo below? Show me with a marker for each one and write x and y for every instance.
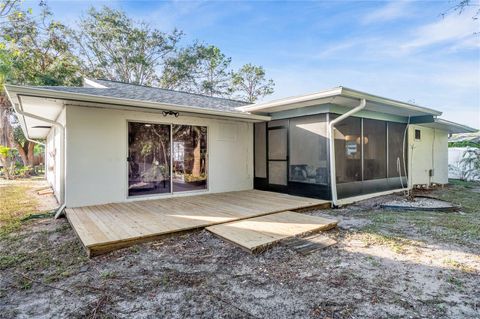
(33, 51)
(201, 69)
(470, 164)
(7, 161)
(39, 52)
(112, 46)
(250, 84)
(9, 7)
(461, 5)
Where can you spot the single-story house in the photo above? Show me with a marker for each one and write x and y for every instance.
(110, 142)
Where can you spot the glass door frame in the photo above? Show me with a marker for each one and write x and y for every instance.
(171, 193)
(287, 156)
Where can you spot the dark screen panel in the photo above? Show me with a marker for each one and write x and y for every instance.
(374, 149)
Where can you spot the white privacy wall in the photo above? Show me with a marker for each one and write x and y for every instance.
(430, 152)
(97, 170)
(53, 158)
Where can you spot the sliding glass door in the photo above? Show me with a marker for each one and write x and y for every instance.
(149, 159)
(156, 151)
(189, 158)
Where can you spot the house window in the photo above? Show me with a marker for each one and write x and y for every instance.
(418, 134)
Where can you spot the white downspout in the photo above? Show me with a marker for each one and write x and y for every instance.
(59, 211)
(331, 138)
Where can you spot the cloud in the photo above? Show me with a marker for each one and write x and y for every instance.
(459, 28)
(389, 12)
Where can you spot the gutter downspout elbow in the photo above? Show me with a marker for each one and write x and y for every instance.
(59, 211)
(331, 137)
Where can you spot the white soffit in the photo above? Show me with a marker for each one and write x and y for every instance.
(44, 107)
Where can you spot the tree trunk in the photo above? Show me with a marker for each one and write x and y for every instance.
(196, 170)
(21, 151)
(30, 153)
(6, 130)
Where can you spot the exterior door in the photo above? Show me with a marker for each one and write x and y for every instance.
(149, 159)
(278, 156)
(189, 160)
(164, 158)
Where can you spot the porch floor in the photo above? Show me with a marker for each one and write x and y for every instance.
(103, 228)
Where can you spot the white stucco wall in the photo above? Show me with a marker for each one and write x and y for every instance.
(430, 152)
(53, 158)
(97, 153)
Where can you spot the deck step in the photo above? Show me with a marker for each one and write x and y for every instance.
(259, 233)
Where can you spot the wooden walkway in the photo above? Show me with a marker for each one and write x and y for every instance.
(258, 233)
(103, 228)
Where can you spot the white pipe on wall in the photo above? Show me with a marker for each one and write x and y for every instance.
(331, 137)
(59, 211)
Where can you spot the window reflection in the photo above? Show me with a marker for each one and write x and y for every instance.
(148, 158)
(308, 150)
(189, 158)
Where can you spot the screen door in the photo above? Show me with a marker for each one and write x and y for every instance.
(277, 155)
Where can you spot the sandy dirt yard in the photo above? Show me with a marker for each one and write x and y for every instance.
(385, 264)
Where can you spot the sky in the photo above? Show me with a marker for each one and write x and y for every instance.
(405, 50)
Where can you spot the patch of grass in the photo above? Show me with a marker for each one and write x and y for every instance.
(15, 204)
(134, 249)
(454, 281)
(24, 283)
(396, 244)
(107, 274)
(373, 261)
(385, 217)
(10, 261)
(458, 265)
(462, 228)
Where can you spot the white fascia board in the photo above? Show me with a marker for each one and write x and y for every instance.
(338, 91)
(291, 100)
(457, 125)
(82, 97)
(382, 100)
(450, 126)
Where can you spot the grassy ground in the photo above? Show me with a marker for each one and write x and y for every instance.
(15, 204)
(385, 264)
(462, 228)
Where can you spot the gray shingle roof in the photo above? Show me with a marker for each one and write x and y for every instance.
(152, 94)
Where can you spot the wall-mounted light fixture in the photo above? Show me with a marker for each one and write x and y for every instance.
(165, 113)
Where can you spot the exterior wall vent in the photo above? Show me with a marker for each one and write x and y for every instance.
(418, 134)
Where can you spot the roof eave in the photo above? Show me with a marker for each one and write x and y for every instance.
(338, 91)
(459, 128)
(291, 100)
(378, 99)
(42, 92)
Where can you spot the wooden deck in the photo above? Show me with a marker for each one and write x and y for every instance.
(258, 233)
(104, 228)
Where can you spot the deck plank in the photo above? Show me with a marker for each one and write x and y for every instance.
(122, 224)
